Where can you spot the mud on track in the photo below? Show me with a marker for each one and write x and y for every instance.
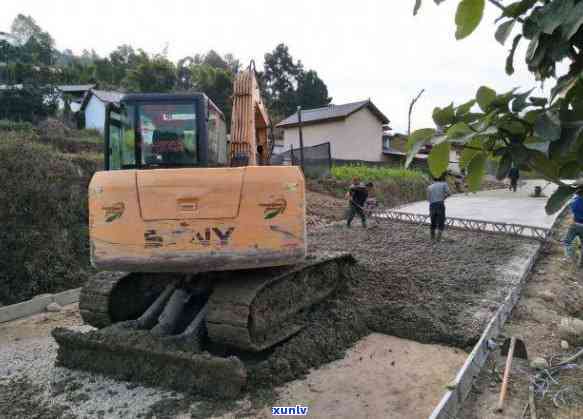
(403, 286)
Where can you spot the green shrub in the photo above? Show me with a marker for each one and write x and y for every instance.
(43, 211)
(392, 186)
(6, 125)
(372, 173)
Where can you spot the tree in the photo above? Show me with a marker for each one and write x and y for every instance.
(280, 78)
(29, 72)
(312, 91)
(156, 75)
(217, 84)
(544, 135)
(25, 27)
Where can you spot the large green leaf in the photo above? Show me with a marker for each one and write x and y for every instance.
(548, 126)
(458, 130)
(443, 116)
(502, 101)
(485, 96)
(511, 125)
(464, 108)
(468, 16)
(541, 164)
(563, 85)
(570, 170)
(532, 47)
(469, 151)
(438, 159)
(532, 116)
(475, 170)
(519, 103)
(538, 101)
(510, 58)
(553, 14)
(504, 166)
(416, 141)
(504, 31)
(573, 22)
(558, 199)
(518, 8)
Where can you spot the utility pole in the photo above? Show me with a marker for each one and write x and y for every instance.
(301, 138)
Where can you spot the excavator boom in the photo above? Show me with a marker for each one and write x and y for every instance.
(250, 122)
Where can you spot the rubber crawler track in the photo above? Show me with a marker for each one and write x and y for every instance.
(95, 297)
(234, 317)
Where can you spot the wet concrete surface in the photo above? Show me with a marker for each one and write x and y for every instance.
(501, 206)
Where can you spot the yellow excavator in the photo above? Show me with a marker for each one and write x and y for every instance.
(201, 245)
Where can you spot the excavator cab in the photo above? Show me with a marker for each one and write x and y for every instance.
(147, 131)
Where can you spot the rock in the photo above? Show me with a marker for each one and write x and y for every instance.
(564, 345)
(571, 330)
(547, 296)
(54, 308)
(539, 363)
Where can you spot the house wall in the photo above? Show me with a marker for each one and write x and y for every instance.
(95, 114)
(358, 137)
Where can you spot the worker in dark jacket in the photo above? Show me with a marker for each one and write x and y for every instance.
(437, 192)
(576, 228)
(357, 194)
(514, 175)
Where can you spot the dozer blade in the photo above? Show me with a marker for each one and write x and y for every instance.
(135, 355)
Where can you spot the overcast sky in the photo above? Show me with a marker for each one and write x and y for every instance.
(361, 49)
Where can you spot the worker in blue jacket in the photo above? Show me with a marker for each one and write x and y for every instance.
(576, 228)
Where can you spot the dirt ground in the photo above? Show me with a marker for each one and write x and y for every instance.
(39, 325)
(555, 289)
(323, 209)
(380, 377)
(402, 286)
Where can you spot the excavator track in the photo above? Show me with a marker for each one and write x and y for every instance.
(254, 310)
(248, 310)
(111, 297)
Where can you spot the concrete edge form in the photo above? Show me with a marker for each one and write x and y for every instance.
(38, 304)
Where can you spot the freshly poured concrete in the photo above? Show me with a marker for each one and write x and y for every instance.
(499, 206)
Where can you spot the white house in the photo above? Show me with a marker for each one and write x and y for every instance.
(354, 130)
(94, 105)
(75, 94)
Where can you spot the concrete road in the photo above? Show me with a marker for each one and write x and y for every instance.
(497, 206)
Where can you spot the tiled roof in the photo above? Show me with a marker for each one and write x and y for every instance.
(108, 97)
(102, 95)
(75, 87)
(332, 112)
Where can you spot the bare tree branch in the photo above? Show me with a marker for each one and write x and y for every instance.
(411, 110)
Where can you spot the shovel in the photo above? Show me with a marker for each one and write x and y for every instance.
(512, 347)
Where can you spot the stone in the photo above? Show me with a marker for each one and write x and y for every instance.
(547, 296)
(564, 345)
(571, 330)
(54, 308)
(539, 363)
